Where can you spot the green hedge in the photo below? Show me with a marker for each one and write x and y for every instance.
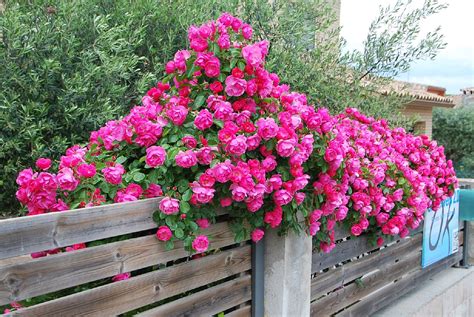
(454, 128)
(66, 67)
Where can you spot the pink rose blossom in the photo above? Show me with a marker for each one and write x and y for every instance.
(257, 235)
(43, 163)
(235, 86)
(164, 233)
(169, 205)
(203, 120)
(155, 156)
(200, 243)
(86, 170)
(186, 159)
(203, 223)
(113, 174)
(121, 277)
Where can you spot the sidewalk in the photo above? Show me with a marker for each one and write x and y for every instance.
(449, 293)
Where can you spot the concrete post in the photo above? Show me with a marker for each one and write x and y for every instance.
(469, 247)
(287, 274)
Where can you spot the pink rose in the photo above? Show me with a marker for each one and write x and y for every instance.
(200, 243)
(66, 179)
(203, 223)
(235, 86)
(86, 170)
(273, 218)
(113, 174)
(169, 205)
(205, 155)
(269, 163)
(43, 163)
(189, 141)
(75, 247)
(253, 55)
(155, 156)
(341, 213)
(212, 68)
(164, 233)
(121, 277)
(203, 195)
(238, 193)
(267, 128)
(282, 197)
(247, 31)
(154, 190)
(314, 228)
(226, 202)
(186, 159)
(237, 146)
(285, 148)
(24, 176)
(177, 114)
(203, 120)
(257, 235)
(356, 230)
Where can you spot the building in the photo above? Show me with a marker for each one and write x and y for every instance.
(465, 98)
(424, 99)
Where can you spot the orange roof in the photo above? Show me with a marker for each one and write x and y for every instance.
(419, 92)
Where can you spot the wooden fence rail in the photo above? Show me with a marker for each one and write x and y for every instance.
(163, 283)
(358, 278)
(355, 279)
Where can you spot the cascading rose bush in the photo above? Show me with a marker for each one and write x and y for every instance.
(220, 131)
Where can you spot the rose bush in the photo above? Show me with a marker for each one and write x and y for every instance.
(220, 131)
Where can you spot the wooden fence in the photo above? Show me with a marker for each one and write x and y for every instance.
(358, 278)
(355, 279)
(163, 283)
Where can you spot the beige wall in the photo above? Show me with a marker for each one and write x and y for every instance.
(423, 113)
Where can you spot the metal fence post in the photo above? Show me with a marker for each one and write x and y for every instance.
(258, 250)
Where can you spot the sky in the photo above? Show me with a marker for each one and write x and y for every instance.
(452, 69)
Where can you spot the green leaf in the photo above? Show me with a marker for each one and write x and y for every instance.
(184, 206)
(169, 245)
(137, 177)
(179, 233)
(199, 101)
(187, 195)
(121, 159)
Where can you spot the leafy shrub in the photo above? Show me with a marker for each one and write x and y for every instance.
(220, 130)
(67, 67)
(454, 129)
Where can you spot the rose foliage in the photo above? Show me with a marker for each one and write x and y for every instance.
(221, 132)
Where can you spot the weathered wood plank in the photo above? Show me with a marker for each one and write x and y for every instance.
(346, 250)
(25, 235)
(207, 302)
(245, 311)
(387, 295)
(32, 277)
(351, 293)
(342, 252)
(136, 292)
(335, 278)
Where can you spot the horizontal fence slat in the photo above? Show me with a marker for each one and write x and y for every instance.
(335, 278)
(343, 251)
(32, 277)
(245, 311)
(207, 302)
(25, 235)
(389, 294)
(346, 250)
(351, 293)
(145, 289)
